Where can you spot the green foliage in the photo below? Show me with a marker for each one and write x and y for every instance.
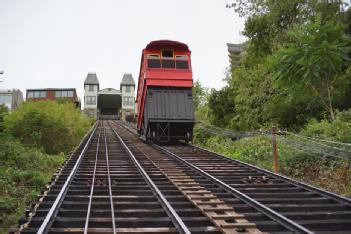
(313, 58)
(23, 172)
(337, 130)
(48, 125)
(199, 95)
(221, 106)
(296, 66)
(3, 112)
(253, 88)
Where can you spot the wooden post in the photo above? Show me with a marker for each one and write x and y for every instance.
(275, 150)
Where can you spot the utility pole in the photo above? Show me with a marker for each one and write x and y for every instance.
(275, 150)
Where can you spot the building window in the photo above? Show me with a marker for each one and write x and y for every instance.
(153, 61)
(127, 89)
(91, 100)
(37, 94)
(63, 93)
(168, 60)
(128, 101)
(182, 62)
(91, 87)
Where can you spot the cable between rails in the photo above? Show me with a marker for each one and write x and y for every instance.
(92, 186)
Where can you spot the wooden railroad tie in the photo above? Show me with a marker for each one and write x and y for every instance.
(219, 213)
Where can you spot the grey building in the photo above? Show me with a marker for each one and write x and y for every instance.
(11, 98)
(236, 53)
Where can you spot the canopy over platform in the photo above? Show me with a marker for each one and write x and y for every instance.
(109, 102)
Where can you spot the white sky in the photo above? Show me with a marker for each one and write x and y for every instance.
(55, 43)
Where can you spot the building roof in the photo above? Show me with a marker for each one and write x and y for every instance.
(167, 44)
(2, 91)
(52, 89)
(91, 79)
(236, 48)
(127, 79)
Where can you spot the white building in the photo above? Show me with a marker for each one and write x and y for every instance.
(109, 102)
(11, 98)
(128, 95)
(91, 88)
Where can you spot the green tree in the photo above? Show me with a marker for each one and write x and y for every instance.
(221, 106)
(253, 88)
(268, 21)
(313, 58)
(199, 95)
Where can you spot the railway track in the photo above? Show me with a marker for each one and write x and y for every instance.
(115, 183)
(303, 208)
(104, 189)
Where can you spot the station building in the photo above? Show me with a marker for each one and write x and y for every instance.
(109, 103)
(11, 98)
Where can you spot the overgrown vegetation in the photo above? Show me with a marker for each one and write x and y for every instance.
(33, 142)
(54, 127)
(23, 173)
(294, 73)
(325, 172)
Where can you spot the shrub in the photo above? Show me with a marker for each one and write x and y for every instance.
(23, 172)
(54, 127)
(338, 130)
(3, 112)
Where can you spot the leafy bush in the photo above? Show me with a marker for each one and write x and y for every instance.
(23, 172)
(254, 150)
(338, 130)
(54, 127)
(3, 112)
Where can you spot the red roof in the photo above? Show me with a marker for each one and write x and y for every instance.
(166, 44)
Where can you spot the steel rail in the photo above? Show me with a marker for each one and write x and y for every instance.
(284, 221)
(59, 199)
(170, 210)
(322, 192)
(109, 185)
(86, 226)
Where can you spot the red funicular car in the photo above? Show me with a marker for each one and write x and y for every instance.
(164, 98)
